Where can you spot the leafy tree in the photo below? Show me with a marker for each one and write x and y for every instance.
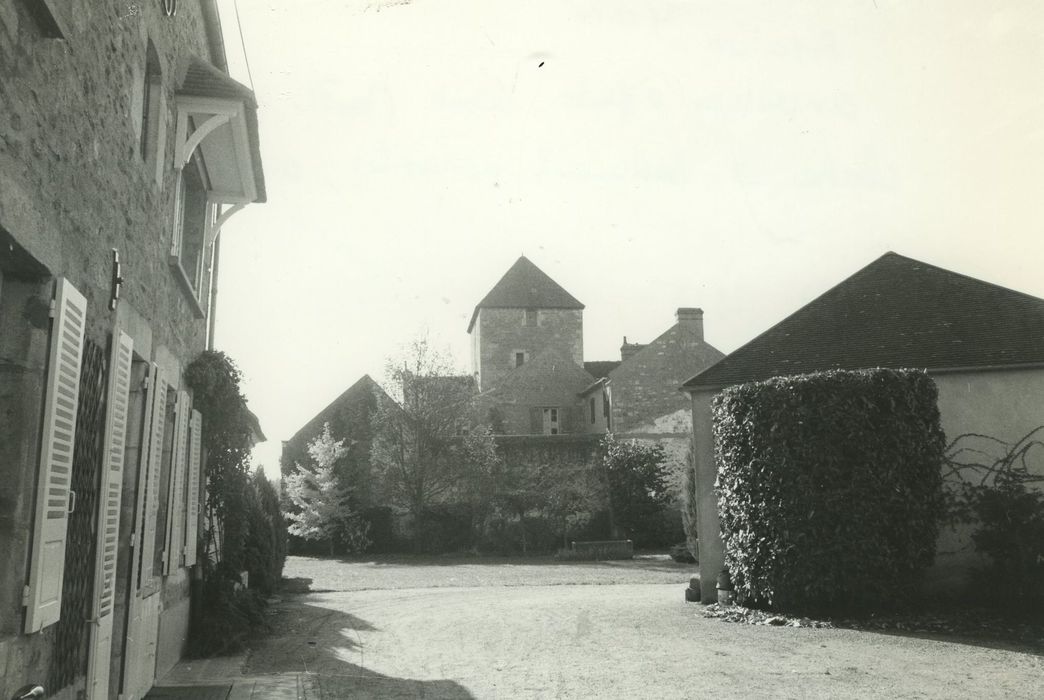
(322, 506)
(416, 455)
(636, 475)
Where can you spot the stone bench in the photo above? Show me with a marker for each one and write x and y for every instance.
(604, 549)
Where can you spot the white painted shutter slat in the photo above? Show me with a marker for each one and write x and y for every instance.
(47, 558)
(176, 495)
(192, 496)
(111, 491)
(158, 408)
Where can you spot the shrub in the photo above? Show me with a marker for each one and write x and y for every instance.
(266, 541)
(829, 487)
(638, 492)
(1001, 499)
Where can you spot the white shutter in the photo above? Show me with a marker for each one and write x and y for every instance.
(192, 496)
(99, 650)
(43, 595)
(158, 409)
(176, 494)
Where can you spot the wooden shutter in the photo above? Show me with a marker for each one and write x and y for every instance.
(192, 495)
(158, 408)
(54, 499)
(176, 495)
(110, 493)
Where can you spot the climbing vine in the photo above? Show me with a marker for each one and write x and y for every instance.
(244, 531)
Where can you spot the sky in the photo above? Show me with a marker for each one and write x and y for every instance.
(742, 157)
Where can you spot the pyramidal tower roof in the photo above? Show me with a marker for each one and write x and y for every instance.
(525, 286)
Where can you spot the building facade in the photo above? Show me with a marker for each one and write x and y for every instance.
(527, 359)
(124, 148)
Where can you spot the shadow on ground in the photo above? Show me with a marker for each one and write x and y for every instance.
(326, 645)
(979, 628)
(640, 561)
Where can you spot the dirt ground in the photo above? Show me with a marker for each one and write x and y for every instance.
(504, 629)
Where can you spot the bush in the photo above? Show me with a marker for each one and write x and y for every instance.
(1001, 499)
(829, 487)
(266, 541)
(638, 493)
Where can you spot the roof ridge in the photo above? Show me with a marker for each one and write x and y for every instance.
(779, 348)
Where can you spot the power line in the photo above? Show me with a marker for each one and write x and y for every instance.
(242, 43)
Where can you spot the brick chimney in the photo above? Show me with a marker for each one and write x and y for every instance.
(629, 349)
(691, 318)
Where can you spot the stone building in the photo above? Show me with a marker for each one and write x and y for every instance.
(124, 146)
(527, 358)
(349, 417)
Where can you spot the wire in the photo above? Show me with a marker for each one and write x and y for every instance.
(242, 43)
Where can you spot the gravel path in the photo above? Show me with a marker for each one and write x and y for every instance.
(626, 640)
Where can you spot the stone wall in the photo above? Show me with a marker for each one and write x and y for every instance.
(73, 187)
(503, 332)
(645, 386)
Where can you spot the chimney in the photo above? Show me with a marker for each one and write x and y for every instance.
(629, 349)
(691, 318)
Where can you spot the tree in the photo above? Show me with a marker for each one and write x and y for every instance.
(323, 509)
(636, 475)
(416, 452)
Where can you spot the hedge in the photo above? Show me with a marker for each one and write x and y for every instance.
(829, 487)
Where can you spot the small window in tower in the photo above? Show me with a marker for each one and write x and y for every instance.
(520, 359)
(531, 317)
(592, 410)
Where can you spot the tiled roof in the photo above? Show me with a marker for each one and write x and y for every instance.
(526, 286)
(896, 312)
(204, 80)
(601, 368)
(361, 392)
(544, 380)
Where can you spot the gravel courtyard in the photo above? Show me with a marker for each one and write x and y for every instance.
(474, 628)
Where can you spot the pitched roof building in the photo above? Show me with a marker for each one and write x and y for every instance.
(895, 312)
(527, 356)
(983, 345)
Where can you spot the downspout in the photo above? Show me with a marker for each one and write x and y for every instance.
(212, 320)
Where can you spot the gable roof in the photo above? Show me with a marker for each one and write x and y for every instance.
(600, 368)
(896, 312)
(361, 393)
(525, 286)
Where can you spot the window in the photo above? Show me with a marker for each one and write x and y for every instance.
(531, 317)
(551, 426)
(592, 410)
(191, 222)
(151, 111)
(520, 359)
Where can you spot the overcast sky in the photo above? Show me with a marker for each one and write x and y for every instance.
(742, 157)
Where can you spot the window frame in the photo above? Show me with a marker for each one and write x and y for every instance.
(191, 283)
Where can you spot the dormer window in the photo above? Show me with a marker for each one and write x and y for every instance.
(218, 162)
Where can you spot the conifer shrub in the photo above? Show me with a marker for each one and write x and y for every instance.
(829, 487)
